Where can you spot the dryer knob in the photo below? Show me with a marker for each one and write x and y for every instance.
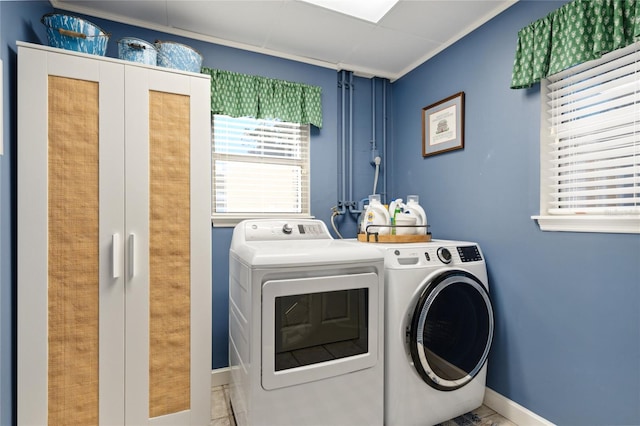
(444, 255)
(287, 229)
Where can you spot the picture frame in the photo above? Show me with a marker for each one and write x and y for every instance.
(443, 125)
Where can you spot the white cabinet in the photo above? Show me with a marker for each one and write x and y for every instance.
(114, 241)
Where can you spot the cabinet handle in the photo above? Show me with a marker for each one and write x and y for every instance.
(115, 255)
(132, 255)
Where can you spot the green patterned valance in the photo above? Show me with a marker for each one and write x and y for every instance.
(241, 95)
(579, 31)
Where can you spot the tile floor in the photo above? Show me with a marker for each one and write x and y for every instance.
(221, 414)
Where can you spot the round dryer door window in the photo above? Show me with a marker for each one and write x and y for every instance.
(451, 330)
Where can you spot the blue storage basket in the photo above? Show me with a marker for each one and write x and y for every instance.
(73, 33)
(178, 56)
(137, 50)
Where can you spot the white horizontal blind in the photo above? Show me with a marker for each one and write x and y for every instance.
(260, 167)
(594, 122)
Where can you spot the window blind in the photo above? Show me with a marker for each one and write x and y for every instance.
(260, 167)
(594, 126)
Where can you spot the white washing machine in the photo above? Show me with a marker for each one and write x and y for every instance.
(306, 321)
(438, 331)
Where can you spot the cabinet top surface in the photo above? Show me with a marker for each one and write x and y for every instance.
(34, 46)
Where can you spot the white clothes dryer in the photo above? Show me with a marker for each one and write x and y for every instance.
(438, 331)
(306, 320)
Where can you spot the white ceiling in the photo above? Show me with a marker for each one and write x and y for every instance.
(412, 32)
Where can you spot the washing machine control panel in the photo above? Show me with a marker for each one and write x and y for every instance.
(432, 255)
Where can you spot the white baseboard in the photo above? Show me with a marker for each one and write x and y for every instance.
(220, 376)
(512, 410)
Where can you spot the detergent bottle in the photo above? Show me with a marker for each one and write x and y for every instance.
(375, 214)
(396, 207)
(413, 208)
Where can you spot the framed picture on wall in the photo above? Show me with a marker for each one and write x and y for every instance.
(443, 125)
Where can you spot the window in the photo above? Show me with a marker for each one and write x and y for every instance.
(590, 146)
(260, 169)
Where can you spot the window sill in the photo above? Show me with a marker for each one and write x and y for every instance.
(230, 221)
(606, 224)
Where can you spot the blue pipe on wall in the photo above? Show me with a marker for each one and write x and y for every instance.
(350, 141)
(373, 114)
(341, 207)
(384, 142)
(345, 196)
(346, 202)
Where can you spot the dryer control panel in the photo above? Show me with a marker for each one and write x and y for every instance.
(278, 230)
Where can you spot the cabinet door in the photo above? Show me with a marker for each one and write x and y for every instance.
(70, 242)
(168, 289)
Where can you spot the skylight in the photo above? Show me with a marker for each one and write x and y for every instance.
(369, 10)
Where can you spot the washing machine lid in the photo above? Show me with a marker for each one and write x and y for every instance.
(451, 330)
(301, 242)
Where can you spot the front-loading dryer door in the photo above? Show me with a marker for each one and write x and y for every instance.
(314, 328)
(451, 330)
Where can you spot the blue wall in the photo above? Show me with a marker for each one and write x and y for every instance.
(567, 343)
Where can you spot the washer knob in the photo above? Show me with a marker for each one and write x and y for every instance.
(287, 229)
(444, 255)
